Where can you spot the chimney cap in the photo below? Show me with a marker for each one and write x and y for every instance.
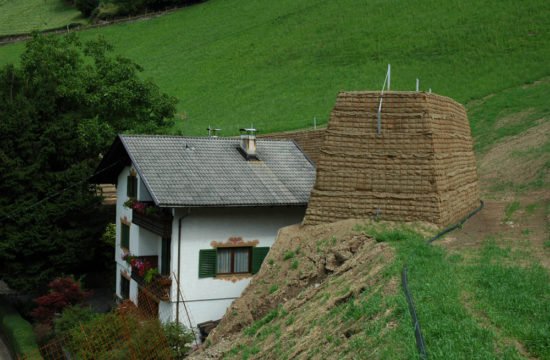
(249, 130)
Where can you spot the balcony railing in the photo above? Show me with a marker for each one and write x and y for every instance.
(159, 286)
(157, 221)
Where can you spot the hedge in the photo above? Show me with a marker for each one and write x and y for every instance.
(18, 332)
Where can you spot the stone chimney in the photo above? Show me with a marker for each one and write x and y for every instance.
(248, 143)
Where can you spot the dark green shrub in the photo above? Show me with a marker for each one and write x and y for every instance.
(18, 332)
(179, 339)
(97, 338)
(86, 7)
(72, 317)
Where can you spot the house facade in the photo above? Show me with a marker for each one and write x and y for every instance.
(195, 217)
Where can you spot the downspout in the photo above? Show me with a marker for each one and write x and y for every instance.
(179, 264)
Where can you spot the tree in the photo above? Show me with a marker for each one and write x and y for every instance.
(59, 110)
(86, 7)
(63, 292)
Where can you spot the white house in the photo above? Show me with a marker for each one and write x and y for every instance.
(203, 212)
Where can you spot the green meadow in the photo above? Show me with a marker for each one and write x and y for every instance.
(18, 17)
(475, 304)
(279, 64)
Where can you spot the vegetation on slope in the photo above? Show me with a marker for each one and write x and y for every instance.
(512, 138)
(279, 64)
(18, 17)
(483, 306)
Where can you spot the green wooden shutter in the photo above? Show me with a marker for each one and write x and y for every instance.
(124, 288)
(125, 236)
(131, 189)
(207, 263)
(258, 256)
(165, 256)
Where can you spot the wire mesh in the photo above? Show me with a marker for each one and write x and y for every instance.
(128, 332)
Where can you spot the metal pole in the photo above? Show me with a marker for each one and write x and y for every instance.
(379, 124)
(389, 76)
(417, 84)
(178, 277)
(315, 123)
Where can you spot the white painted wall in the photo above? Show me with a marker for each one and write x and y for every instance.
(143, 193)
(208, 298)
(205, 299)
(122, 212)
(147, 243)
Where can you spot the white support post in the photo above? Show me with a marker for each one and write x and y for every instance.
(389, 76)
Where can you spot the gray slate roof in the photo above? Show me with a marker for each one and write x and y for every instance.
(193, 171)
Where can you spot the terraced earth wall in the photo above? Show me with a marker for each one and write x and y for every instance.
(309, 140)
(420, 167)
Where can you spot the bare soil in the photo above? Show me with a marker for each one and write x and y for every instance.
(526, 230)
(510, 161)
(309, 271)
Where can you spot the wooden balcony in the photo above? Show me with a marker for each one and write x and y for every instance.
(159, 287)
(158, 222)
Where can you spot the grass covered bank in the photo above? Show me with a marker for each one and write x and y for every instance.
(279, 64)
(17, 331)
(493, 305)
(18, 17)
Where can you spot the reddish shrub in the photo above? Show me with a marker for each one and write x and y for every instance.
(64, 291)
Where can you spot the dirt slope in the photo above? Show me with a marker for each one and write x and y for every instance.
(319, 285)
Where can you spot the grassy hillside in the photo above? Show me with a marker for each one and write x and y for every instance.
(331, 291)
(512, 139)
(278, 64)
(17, 17)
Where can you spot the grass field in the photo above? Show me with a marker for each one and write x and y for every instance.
(476, 306)
(17, 16)
(277, 65)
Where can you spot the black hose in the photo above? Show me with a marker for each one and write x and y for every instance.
(420, 342)
(458, 224)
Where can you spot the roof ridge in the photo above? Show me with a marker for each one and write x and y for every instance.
(200, 137)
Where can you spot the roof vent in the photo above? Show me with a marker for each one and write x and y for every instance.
(248, 143)
(212, 132)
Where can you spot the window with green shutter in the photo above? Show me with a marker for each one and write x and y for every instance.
(237, 260)
(233, 260)
(125, 236)
(131, 186)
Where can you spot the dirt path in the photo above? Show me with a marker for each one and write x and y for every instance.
(524, 229)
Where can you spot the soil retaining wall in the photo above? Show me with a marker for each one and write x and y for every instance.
(421, 167)
(310, 141)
